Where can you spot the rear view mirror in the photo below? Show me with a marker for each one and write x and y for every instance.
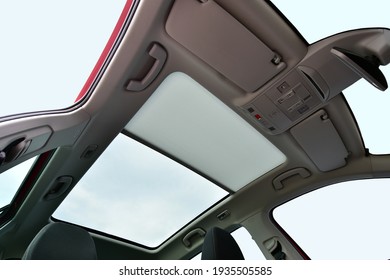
(364, 67)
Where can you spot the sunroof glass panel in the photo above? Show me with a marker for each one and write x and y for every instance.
(136, 193)
(190, 123)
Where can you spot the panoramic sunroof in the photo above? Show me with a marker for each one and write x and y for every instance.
(134, 192)
(187, 121)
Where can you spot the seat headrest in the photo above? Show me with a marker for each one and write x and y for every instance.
(220, 245)
(60, 241)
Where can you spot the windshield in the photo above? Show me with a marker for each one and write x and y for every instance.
(48, 50)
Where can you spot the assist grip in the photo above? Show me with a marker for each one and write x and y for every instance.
(160, 56)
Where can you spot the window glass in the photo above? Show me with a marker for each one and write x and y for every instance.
(138, 194)
(343, 221)
(11, 181)
(248, 246)
(371, 111)
(49, 48)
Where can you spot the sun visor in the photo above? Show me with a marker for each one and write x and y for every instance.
(213, 35)
(320, 140)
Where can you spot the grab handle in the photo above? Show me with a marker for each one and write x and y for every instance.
(160, 56)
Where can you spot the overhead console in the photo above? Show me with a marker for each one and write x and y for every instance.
(281, 79)
(287, 101)
(330, 66)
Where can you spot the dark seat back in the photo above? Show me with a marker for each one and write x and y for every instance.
(60, 241)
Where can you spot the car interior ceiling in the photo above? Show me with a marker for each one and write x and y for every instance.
(288, 90)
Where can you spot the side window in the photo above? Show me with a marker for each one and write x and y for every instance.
(343, 221)
(248, 246)
(11, 181)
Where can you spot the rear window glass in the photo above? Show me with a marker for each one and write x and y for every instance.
(343, 221)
